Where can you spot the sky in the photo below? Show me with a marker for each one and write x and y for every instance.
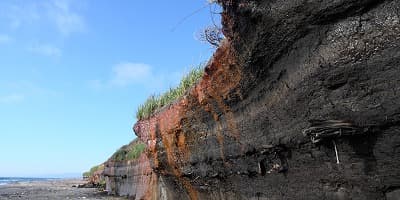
(73, 72)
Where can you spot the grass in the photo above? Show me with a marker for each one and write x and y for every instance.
(129, 152)
(155, 102)
(93, 170)
(135, 151)
(102, 182)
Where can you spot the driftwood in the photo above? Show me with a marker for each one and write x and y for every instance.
(330, 129)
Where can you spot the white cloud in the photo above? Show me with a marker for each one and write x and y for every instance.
(45, 49)
(19, 91)
(5, 39)
(20, 14)
(66, 20)
(59, 14)
(12, 98)
(128, 73)
(138, 75)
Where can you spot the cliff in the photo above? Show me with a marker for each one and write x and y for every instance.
(301, 101)
(127, 172)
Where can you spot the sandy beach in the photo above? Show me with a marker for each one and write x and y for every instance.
(51, 190)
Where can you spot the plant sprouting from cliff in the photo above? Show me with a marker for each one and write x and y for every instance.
(211, 35)
(155, 102)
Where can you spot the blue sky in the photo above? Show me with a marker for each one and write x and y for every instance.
(73, 72)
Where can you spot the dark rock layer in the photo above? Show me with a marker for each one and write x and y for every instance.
(238, 133)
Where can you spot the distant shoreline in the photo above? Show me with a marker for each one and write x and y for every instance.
(51, 189)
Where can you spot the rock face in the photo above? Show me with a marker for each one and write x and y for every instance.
(127, 174)
(285, 65)
(131, 178)
(97, 176)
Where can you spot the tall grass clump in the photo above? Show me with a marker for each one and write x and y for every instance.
(129, 152)
(155, 102)
(135, 151)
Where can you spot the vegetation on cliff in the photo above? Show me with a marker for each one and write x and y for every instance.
(155, 102)
(93, 170)
(131, 151)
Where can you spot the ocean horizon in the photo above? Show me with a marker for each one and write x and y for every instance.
(13, 180)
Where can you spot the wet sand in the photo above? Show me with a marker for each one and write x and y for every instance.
(51, 190)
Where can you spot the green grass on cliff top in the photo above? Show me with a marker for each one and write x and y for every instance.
(129, 152)
(155, 102)
(93, 170)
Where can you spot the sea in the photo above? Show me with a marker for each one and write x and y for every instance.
(11, 180)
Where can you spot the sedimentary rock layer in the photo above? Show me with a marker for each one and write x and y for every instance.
(285, 65)
(131, 178)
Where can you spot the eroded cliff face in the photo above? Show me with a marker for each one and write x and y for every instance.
(128, 173)
(238, 133)
(132, 178)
